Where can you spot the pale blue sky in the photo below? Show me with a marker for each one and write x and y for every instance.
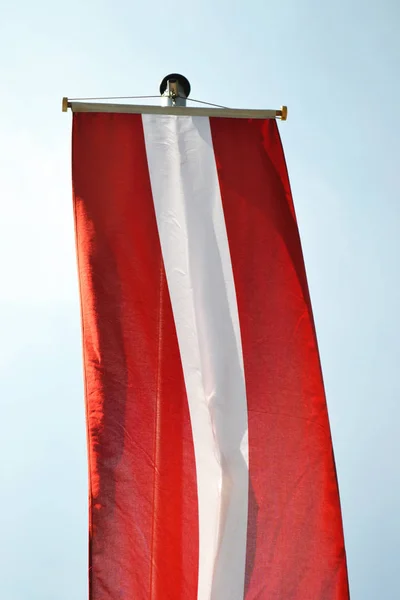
(337, 67)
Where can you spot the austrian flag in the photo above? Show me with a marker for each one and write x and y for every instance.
(211, 468)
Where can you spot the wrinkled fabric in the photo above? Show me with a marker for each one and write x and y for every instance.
(211, 466)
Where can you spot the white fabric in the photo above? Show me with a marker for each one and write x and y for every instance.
(195, 249)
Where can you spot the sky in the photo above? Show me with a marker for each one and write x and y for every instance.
(336, 65)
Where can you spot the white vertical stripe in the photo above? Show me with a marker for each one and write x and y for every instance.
(196, 255)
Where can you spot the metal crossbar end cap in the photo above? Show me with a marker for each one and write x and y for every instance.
(65, 104)
(180, 81)
(284, 113)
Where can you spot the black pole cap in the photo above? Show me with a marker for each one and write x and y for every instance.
(180, 79)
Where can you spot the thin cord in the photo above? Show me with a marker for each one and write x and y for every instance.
(141, 97)
(113, 98)
(202, 102)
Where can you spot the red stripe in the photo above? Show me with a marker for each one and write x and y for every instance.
(143, 499)
(295, 547)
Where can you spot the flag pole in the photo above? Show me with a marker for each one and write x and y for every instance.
(174, 90)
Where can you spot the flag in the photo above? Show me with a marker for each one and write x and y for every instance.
(211, 468)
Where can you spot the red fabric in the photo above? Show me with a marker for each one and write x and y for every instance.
(143, 499)
(295, 547)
